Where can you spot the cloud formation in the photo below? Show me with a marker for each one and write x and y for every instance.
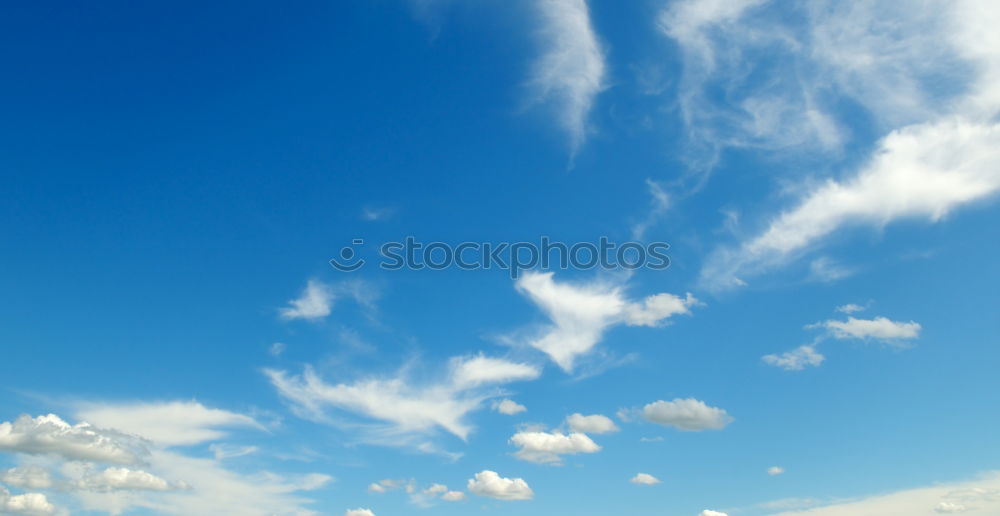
(172, 423)
(546, 447)
(570, 72)
(796, 359)
(508, 407)
(580, 314)
(644, 479)
(50, 435)
(30, 504)
(686, 414)
(491, 485)
(593, 424)
(403, 406)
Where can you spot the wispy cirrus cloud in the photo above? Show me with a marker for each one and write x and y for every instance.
(571, 70)
(398, 409)
(938, 149)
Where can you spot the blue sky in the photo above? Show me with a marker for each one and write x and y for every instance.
(174, 180)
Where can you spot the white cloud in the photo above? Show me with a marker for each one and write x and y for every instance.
(28, 477)
(50, 435)
(174, 423)
(775, 470)
(453, 496)
(546, 447)
(686, 414)
(570, 72)
(230, 451)
(879, 328)
(277, 349)
(491, 485)
(707, 512)
(796, 359)
(403, 406)
(979, 497)
(200, 486)
(950, 508)
(594, 424)
(124, 479)
(479, 370)
(314, 303)
(581, 313)
(359, 512)
(31, 504)
(644, 479)
(508, 407)
(850, 308)
(921, 171)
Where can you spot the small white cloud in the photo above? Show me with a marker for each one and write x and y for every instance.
(796, 359)
(508, 407)
(30, 504)
(491, 485)
(707, 512)
(469, 372)
(775, 470)
(644, 479)
(825, 270)
(879, 328)
(359, 512)
(850, 308)
(453, 496)
(375, 213)
(50, 435)
(277, 349)
(594, 424)
(546, 447)
(686, 414)
(314, 303)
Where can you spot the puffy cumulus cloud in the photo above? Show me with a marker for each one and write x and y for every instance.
(570, 72)
(50, 435)
(491, 485)
(175, 423)
(508, 407)
(686, 414)
(593, 424)
(644, 479)
(879, 328)
(30, 504)
(796, 359)
(359, 512)
(28, 477)
(580, 314)
(977, 497)
(775, 470)
(546, 447)
(317, 299)
(707, 512)
(404, 408)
